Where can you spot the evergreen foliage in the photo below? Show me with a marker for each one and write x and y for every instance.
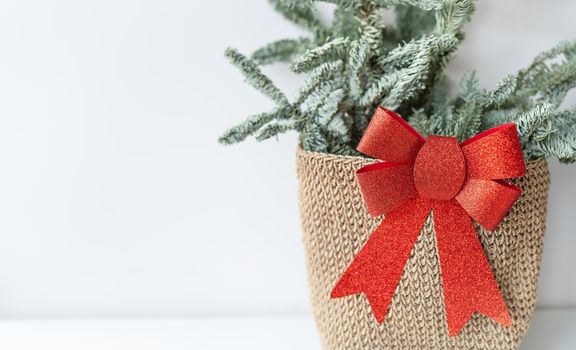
(359, 62)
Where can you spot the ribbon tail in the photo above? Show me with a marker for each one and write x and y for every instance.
(468, 282)
(377, 268)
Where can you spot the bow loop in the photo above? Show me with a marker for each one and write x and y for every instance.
(495, 154)
(385, 185)
(389, 137)
(488, 201)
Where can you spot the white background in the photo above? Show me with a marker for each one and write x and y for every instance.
(116, 200)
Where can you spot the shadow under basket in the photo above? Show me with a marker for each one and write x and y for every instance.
(335, 226)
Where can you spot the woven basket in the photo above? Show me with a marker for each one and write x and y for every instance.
(336, 224)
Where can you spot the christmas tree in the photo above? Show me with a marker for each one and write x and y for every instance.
(359, 62)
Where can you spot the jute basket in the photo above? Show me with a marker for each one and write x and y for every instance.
(336, 224)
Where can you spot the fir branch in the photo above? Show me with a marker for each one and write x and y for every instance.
(372, 28)
(281, 51)
(412, 80)
(313, 138)
(345, 4)
(440, 96)
(421, 4)
(470, 87)
(468, 115)
(250, 126)
(274, 129)
(378, 88)
(319, 75)
(302, 4)
(329, 106)
(441, 105)
(359, 51)
(420, 121)
(562, 146)
(413, 22)
(313, 58)
(300, 12)
(530, 121)
(403, 55)
(502, 92)
(496, 117)
(565, 48)
(338, 128)
(255, 77)
(558, 81)
(451, 17)
(317, 96)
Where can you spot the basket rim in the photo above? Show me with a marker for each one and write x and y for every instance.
(367, 160)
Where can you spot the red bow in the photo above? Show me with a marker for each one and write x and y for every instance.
(453, 181)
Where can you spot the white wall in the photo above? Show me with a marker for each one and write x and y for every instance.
(115, 198)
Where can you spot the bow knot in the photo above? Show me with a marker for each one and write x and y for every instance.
(455, 181)
(440, 168)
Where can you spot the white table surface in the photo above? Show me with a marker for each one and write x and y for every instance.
(550, 330)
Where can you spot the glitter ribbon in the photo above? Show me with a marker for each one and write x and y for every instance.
(458, 183)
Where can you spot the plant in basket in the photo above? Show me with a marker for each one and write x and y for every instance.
(422, 214)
